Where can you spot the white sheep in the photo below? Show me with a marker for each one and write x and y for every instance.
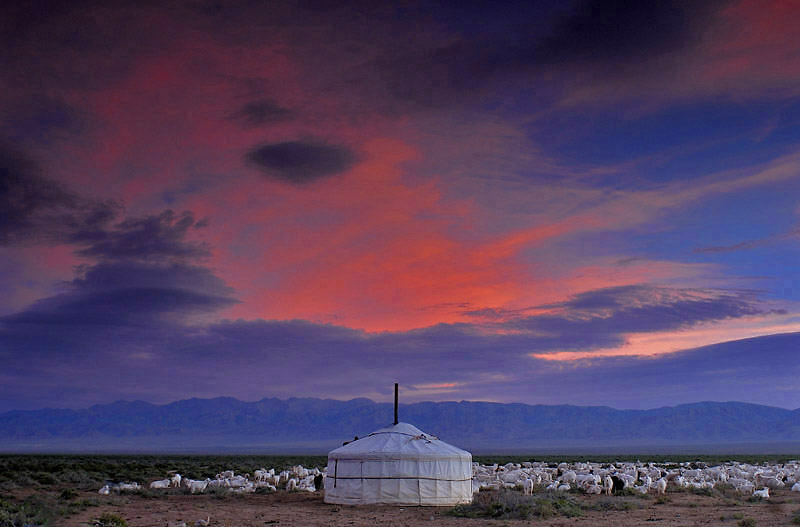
(161, 484)
(568, 477)
(291, 484)
(763, 493)
(176, 481)
(236, 481)
(594, 489)
(563, 487)
(608, 485)
(796, 487)
(527, 486)
(660, 486)
(196, 485)
(641, 489)
(105, 491)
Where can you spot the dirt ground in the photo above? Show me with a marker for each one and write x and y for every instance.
(306, 509)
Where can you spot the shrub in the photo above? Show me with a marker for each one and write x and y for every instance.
(507, 504)
(614, 504)
(747, 522)
(68, 494)
(110, 519)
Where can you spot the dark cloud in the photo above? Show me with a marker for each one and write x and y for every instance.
(261, 112)
(161, 237)
(301, 162)
(607, 314)
(41, 120)
(130, 292)
(35, 209)
(620, 31)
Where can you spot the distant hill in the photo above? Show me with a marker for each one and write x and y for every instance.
(316, 425)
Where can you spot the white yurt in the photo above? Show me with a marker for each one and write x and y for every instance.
(399, 465)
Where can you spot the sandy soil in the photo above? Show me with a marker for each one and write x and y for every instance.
(304, 509)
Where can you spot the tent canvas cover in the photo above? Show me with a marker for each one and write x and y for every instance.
(399, 465)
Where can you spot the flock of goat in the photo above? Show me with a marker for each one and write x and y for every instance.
(596, 478)
(297, 478)
(591, 478)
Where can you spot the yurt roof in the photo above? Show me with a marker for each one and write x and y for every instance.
(400, 441)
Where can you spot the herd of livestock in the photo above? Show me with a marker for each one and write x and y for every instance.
(530, 477)
(597, 478)
(297, 478)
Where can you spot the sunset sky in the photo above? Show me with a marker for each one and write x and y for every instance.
(591, 202)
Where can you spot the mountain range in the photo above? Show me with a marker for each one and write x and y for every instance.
(306, 425)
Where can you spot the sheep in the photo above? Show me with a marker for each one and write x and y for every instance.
(627, 479)
(161, 484)
(586, 480)
(660, 486)
(553, 486)
(563, 488)
(618, 484)
(772, 483)
(236, 481)
(105, 491)
(246, 488)
(196, 485)
(763, 493)
(127, 486)
(641, 489)
(260, 475)
(225, 475)
(608, 485)
(742, 485)
(527, 486)
(176, 481)
(568, 477)
(291, 484)
(594, 489)
(796, 487)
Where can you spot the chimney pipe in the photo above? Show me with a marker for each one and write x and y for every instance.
(395, 404)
